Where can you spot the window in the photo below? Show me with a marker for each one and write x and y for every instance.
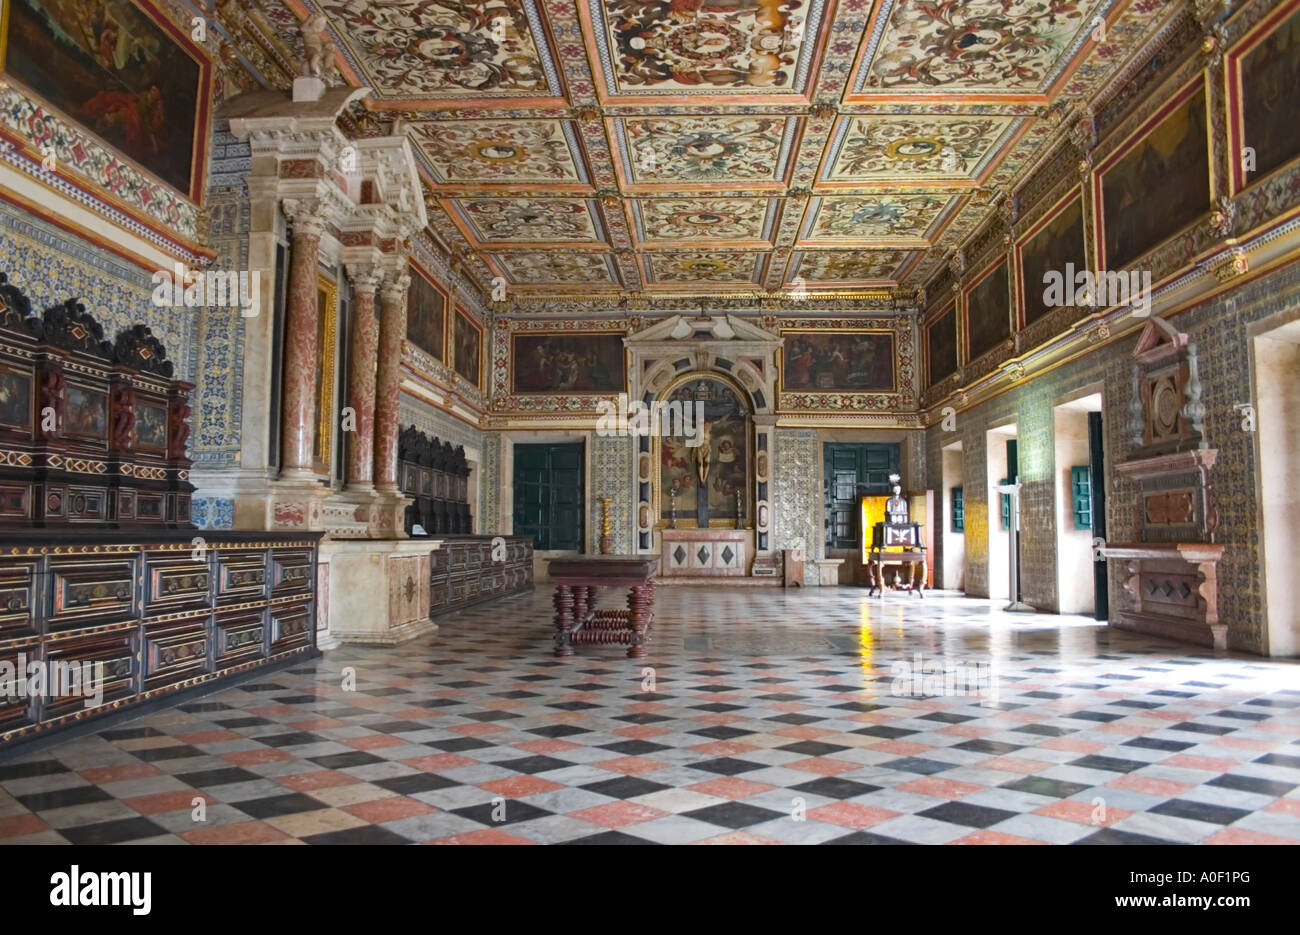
(1081, 496)
(1005, 500)
(958, 510)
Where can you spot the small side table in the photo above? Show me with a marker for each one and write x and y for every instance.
(878, 558)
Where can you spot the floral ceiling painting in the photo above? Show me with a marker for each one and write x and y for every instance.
(697, 147)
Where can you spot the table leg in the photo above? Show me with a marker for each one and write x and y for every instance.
(880, 575)
(920, 581)
(563, 620)
(640, 605)
(581, 606)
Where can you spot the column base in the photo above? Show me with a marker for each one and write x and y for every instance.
(351, 513)
(389, 514)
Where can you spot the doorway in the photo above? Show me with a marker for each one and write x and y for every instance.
(1080, 506)
(954, 519)
(1002, 468)
(548, 503)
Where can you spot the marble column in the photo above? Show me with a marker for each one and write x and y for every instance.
(298, 405)
(361, 379)
(392, 332)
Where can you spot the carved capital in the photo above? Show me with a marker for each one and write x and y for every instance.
(308, 216)
(395, 285)
(365, 278)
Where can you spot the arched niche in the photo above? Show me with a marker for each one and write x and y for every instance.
(674, 352)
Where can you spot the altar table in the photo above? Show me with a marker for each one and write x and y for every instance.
(577, 581)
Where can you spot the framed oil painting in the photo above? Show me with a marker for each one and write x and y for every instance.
(426, 315)
(151, 426)
(988, 312)
(467, 348)
(568, 363)
(1158, 186)
(15, 399)
(1267, 74)
(123, 71)
(86, 412)
(700, 502)
(839, 361)
(941, 346)
(1055, 242)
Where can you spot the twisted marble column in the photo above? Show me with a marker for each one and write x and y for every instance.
(298, 403)
(361, 379)
(392, 332)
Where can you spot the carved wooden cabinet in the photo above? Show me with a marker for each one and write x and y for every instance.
(463, 571)
(108, 620)
(92, 432)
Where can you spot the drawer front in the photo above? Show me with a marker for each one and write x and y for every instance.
(15, 502)
(176, 581)
(16, 707)
(175, 651)
(18, 597)
(292, 626)
(241, 576)
(91, 591)
(291, 571)
(83, 674)
(240, 637)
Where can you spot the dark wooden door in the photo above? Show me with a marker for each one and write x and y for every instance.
(549, 482)
(850, 470)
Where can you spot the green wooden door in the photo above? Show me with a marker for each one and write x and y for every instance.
(549, 496)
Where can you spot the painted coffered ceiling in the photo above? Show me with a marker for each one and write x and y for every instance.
(696, 147)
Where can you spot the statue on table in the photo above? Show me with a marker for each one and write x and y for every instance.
(896, 506)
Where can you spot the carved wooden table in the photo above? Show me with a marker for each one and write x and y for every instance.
(577, 620)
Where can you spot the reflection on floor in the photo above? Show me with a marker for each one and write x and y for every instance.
(760, 717)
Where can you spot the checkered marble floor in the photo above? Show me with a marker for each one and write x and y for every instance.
(761, 716)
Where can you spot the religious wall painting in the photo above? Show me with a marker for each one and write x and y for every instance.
(1267, 74)
(467, 348)
(447, 49)
(838, 361)
(1160, 185)
(327, 317)
(426, 315)
(85, 412)
(988, 312)
(123, 71)
(15, 399)
(150, 426)
(570, 363)
(709, 46)
(712, 148)
(1058, 242)
(705, 481)
(941, 346)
